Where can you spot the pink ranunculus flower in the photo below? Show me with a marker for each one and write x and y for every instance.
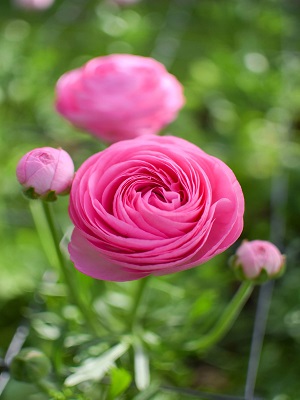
(124, 2)
(258, 260)
(34, 4)
(45, 171)
(152, 205)
(119, 97)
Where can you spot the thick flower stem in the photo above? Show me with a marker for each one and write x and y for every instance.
(46, 388)
(68, 278)
(136, 303)
(226, 320)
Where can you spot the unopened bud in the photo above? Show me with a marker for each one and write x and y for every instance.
(258, 260)
(30, 365)
(45, 172)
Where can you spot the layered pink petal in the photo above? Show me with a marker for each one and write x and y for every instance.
(155, 205)
(119, 97)
(88, 260)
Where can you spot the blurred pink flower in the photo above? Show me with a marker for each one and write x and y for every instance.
(119, 97)
(45, 170)
(152, 205)
(258, 257)
(33, 4)
(124, 2)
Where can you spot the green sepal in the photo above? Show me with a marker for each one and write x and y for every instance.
(65, 192)
(262, 277)
(30, 193)
(237, 269)
(258, 280)
(50, 196)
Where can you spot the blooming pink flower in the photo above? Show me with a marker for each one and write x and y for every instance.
(152, 205)
(34, 4)
(124, 2)
(46, 170)
(258, 256)
(119, 97)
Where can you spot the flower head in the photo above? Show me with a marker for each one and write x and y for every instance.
(124, 2)
(152, 205)
(45, 172)
(258, 260)
(120, 96)
(34, 4)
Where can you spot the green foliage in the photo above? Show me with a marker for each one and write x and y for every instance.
(120, 381)
(96, 368)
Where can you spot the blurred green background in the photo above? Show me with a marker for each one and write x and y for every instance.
(239, 63)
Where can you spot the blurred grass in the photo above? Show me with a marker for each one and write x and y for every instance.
(239, 63)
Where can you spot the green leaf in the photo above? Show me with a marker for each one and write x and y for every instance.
(204, 304)
(147, 394)
(95, 368)
(120, 381)
(48, 325)
(141, 367)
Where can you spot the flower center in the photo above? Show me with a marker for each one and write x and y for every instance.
(45, 158)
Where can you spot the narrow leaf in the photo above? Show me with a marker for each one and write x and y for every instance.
(141, 367)
(148, 394)
(95, 368)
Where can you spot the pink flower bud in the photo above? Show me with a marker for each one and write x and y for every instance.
(124, 2)
(34, 4)
(258, 260)
(45, 171)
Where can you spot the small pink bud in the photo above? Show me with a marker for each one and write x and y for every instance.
(45, 172)
(34, 4)
(258, 260)
(124, 2)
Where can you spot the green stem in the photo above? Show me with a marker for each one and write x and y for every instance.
(43, 231)
(227, 319)
(89, 317)
(47, 388)
(136, 303)
(61, 261)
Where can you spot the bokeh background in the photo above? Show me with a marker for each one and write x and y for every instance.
(239, 63)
